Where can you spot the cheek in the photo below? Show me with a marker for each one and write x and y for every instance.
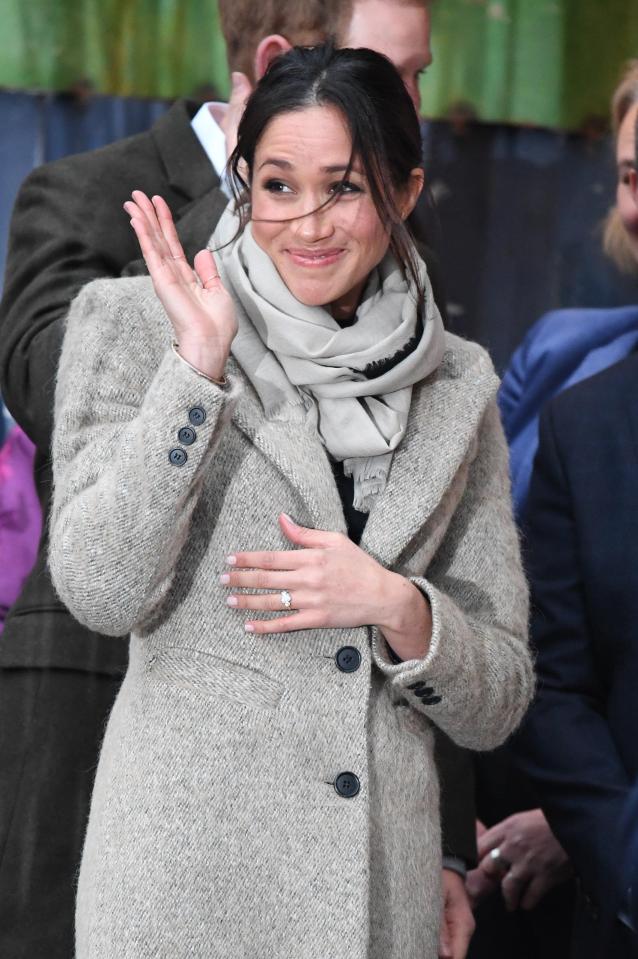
(264, 233)
(370, 235)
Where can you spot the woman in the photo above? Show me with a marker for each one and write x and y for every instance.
(566, 346)
(267, 783)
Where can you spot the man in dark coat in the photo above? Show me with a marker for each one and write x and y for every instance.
(57, 680)
(579, 744)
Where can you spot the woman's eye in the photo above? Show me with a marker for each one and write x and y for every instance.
(345, 186)
(276, 186)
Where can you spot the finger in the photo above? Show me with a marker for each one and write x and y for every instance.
(445, 943)
(146, 211)
(535, 891)
(495, 868)
(490, 839)
(512, 888)
(288, 624)
(286, 559)
(464, 933)
(169, 232)
(261, 579)
(270, 602)
(152, 257)
(310, 538)
(206, 270)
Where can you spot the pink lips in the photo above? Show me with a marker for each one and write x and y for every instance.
(315, 258)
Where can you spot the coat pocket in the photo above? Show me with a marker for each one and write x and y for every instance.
(215, 677)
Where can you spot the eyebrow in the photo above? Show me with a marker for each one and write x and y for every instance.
(287, 165)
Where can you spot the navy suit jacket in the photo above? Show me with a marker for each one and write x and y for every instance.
(579, 742)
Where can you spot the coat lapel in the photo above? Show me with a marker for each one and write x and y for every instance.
(188, 169)
(445, 417)
(444, 422)
(298, 455)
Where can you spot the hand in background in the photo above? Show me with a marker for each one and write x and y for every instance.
(531, 860)
(457, 925)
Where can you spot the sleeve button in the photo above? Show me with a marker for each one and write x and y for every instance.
(197, 415)
(177, 457)
(186, 435)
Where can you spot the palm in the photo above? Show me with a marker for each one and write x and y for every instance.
(196, 302)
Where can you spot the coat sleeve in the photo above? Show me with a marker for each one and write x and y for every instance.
(122, 505)
(565, 745)
(476, 680)
(57, 244)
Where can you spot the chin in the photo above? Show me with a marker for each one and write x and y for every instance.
(310, 294)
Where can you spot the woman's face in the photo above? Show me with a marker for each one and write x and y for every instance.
(323, 255)
(626, 159)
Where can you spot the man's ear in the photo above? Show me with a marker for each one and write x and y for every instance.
(270, 47)
(633, 184)
(411, 192)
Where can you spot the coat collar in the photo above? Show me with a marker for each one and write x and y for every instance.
(188, 169)
(443, 425)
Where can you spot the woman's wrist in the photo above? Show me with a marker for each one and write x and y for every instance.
(207, 359)
(407, 625)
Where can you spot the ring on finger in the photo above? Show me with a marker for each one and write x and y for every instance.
(286, 599)
(500, 862)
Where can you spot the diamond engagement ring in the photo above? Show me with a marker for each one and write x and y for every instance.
(286, 599)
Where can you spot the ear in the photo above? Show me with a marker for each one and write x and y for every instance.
(411, 192)
(270, 47)
(633, 184)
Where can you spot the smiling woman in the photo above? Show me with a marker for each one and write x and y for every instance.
(261, 793)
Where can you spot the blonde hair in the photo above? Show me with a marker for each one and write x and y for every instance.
(615, 242)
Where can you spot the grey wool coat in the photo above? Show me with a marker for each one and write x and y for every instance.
(216, 830)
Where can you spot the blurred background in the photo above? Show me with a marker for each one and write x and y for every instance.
(518, 152)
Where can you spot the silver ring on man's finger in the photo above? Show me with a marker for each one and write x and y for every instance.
(502, 864)
(286, 599)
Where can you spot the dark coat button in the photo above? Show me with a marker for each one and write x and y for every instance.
(347, 785)
(197, 415)
(177, 457)
(186, 435)
(430, 700)
(348, 659)
(425, 692)
(417, 686)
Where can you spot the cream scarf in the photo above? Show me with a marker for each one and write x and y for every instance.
(304, 366)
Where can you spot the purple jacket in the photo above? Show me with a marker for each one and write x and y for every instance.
(20, 517)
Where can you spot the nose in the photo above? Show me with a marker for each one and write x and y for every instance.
(316, 224)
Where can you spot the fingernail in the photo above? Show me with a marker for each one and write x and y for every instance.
(289, 518)
(224, 579)
(231, 600)
(249, 628)
(231, 560)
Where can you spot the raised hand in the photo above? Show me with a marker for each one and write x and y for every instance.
(201, 311)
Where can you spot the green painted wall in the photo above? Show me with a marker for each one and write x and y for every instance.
(542, 62)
